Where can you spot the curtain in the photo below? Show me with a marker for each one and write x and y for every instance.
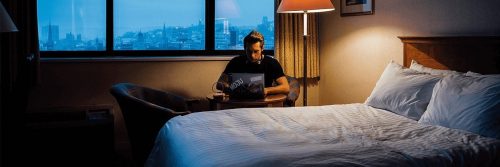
(19, 73)
(289, 43)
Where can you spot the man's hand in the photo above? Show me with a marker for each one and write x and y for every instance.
(223, 83)
(282, 87)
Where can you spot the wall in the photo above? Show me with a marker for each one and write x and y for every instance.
(354, 50)
(77, 83)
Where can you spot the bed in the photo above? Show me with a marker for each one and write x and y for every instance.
(428, 123)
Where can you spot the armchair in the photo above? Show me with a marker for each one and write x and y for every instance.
(145, 111)
(294, 92)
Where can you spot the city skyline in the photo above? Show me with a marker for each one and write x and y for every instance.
(227, 36)
(87, 17)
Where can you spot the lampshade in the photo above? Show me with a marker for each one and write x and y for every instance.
(301, 6)
(6, 24)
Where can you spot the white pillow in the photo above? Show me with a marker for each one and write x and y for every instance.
(472, 74)
(475, 74)
(402, 91)
(467, 103)
(419, 67)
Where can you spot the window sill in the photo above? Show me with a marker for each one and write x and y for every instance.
(138, 59)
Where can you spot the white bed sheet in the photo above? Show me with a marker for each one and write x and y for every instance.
(334, 135)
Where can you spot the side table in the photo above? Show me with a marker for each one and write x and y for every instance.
(275, 100)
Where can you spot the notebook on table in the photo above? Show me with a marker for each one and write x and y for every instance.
(246, 85)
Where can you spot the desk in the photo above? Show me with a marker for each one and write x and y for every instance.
(275, 100)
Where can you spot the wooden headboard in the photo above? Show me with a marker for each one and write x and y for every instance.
(476, 54)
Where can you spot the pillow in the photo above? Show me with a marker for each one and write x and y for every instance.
(475, 74)
(402, 91)
(419, 67)
(467, 103)
(472, 74)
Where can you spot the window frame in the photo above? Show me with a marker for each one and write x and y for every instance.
(109, 51)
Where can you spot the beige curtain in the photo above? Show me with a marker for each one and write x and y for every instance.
(289, 43)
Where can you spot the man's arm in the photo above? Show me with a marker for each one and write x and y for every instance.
(223, 82)
(282, 87)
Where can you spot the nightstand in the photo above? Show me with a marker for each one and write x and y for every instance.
(70, 136)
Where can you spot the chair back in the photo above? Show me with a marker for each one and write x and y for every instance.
(145, 111)
(294, 92)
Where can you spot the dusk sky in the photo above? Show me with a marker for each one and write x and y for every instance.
(88, 16)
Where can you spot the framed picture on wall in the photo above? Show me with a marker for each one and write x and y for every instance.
(356, 7)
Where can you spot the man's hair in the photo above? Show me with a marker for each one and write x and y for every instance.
(253, 37)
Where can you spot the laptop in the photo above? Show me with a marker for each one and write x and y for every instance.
(246, 85)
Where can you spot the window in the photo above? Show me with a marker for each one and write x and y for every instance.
(72, 25)
(159, 25)
(234, 19)
(103, 28)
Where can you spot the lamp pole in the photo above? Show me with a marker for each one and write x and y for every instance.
(303, 6)
(304, 79)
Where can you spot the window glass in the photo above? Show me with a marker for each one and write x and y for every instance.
(81, 25)
(159, 25)
(234, 19)
(72, 25)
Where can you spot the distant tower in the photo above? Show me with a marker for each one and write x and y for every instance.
(222, 26)
(79, 38)
(140, 36)
(54, 30)
(139, 44)
(69, 41)
(226, 26)
(265, 24)
(265, 20)
(222, 33)
(164, 37)
(265, 27)
(233, 38)
(70, 37)
(50, 41)
(99, 45)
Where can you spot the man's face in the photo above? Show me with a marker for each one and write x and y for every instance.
(254, 52)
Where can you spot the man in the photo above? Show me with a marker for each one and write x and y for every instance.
(255, 62)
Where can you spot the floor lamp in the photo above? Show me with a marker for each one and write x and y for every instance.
(6, 25)
(305, 6)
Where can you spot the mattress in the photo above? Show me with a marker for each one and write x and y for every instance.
(332, 135)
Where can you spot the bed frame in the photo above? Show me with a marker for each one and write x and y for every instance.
(473, 53)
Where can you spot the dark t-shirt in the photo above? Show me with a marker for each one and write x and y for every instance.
(269, 66)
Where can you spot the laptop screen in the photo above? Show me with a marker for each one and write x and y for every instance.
(246, 85)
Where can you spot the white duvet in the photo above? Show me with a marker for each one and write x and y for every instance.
(335, 135)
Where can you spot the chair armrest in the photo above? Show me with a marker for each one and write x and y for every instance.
(167, 110)
(182, 113)
(192, 101)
